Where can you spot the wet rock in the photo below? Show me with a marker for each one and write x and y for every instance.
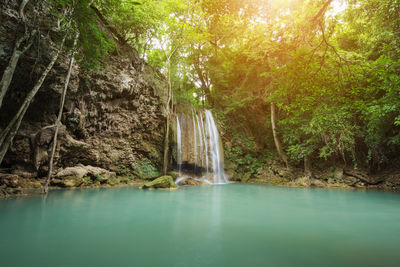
(303, 181)
(68, 182)
(318, 183)
(161, 182)
(349, 180)
(13, 191)
(363, 176)
(113, 181)
(10, 180)
(338, 174)
(24, 174)
(191, 181)
(81, 171)
(277, 168)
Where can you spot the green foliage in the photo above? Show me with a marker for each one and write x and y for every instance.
(245, 156)
(329, 132)
(337, 91)
(78, 16)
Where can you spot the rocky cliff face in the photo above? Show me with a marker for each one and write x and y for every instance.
(113, 118)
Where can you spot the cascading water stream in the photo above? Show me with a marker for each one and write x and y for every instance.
(179, 145)
(199, 151)
(200, 139)
(195, 140)
(205, 143)
(216, 155)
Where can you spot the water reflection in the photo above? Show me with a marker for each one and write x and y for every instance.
(223, 225)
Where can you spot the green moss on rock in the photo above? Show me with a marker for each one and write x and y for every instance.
(174, 174)
(145, 169)
(161, 182)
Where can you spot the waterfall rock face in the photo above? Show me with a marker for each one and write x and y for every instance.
(198, 146)
(113, 118)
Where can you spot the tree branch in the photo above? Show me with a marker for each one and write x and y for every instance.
(103, 20)
(322, 11)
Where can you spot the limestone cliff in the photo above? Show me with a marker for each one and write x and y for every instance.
(113, 118)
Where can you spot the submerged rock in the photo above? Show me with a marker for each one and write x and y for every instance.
(161, 182)
(190, 181)
(68, 182)
(309, 182)
(318, 183)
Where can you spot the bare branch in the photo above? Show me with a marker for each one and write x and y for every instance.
(21, 9)
(322, 11)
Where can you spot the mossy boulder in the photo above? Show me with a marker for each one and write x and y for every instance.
(161, 182)
(174, 174)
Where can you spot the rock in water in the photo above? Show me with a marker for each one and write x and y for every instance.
(191, 181)
(80, 171)
(161, 182)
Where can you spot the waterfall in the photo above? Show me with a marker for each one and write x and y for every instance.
(179, 145)
(205, 142)
(200, 139)
(195, 140)
(215, 149)
(199, 150)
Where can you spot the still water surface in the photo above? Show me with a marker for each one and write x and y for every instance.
(220, 225)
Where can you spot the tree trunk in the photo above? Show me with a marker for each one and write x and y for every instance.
(60, 111)
(104, 21)
(12, 128)
(12, 64)
(307, 167)
(278, 145)
(9, 71)
(166, 140)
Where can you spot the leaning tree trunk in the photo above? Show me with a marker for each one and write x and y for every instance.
(278, 144)
(166, 140)
(12, 64)
(7, 136)
(307, 167)
(21, 9)
(60, 111)
(17, 52)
